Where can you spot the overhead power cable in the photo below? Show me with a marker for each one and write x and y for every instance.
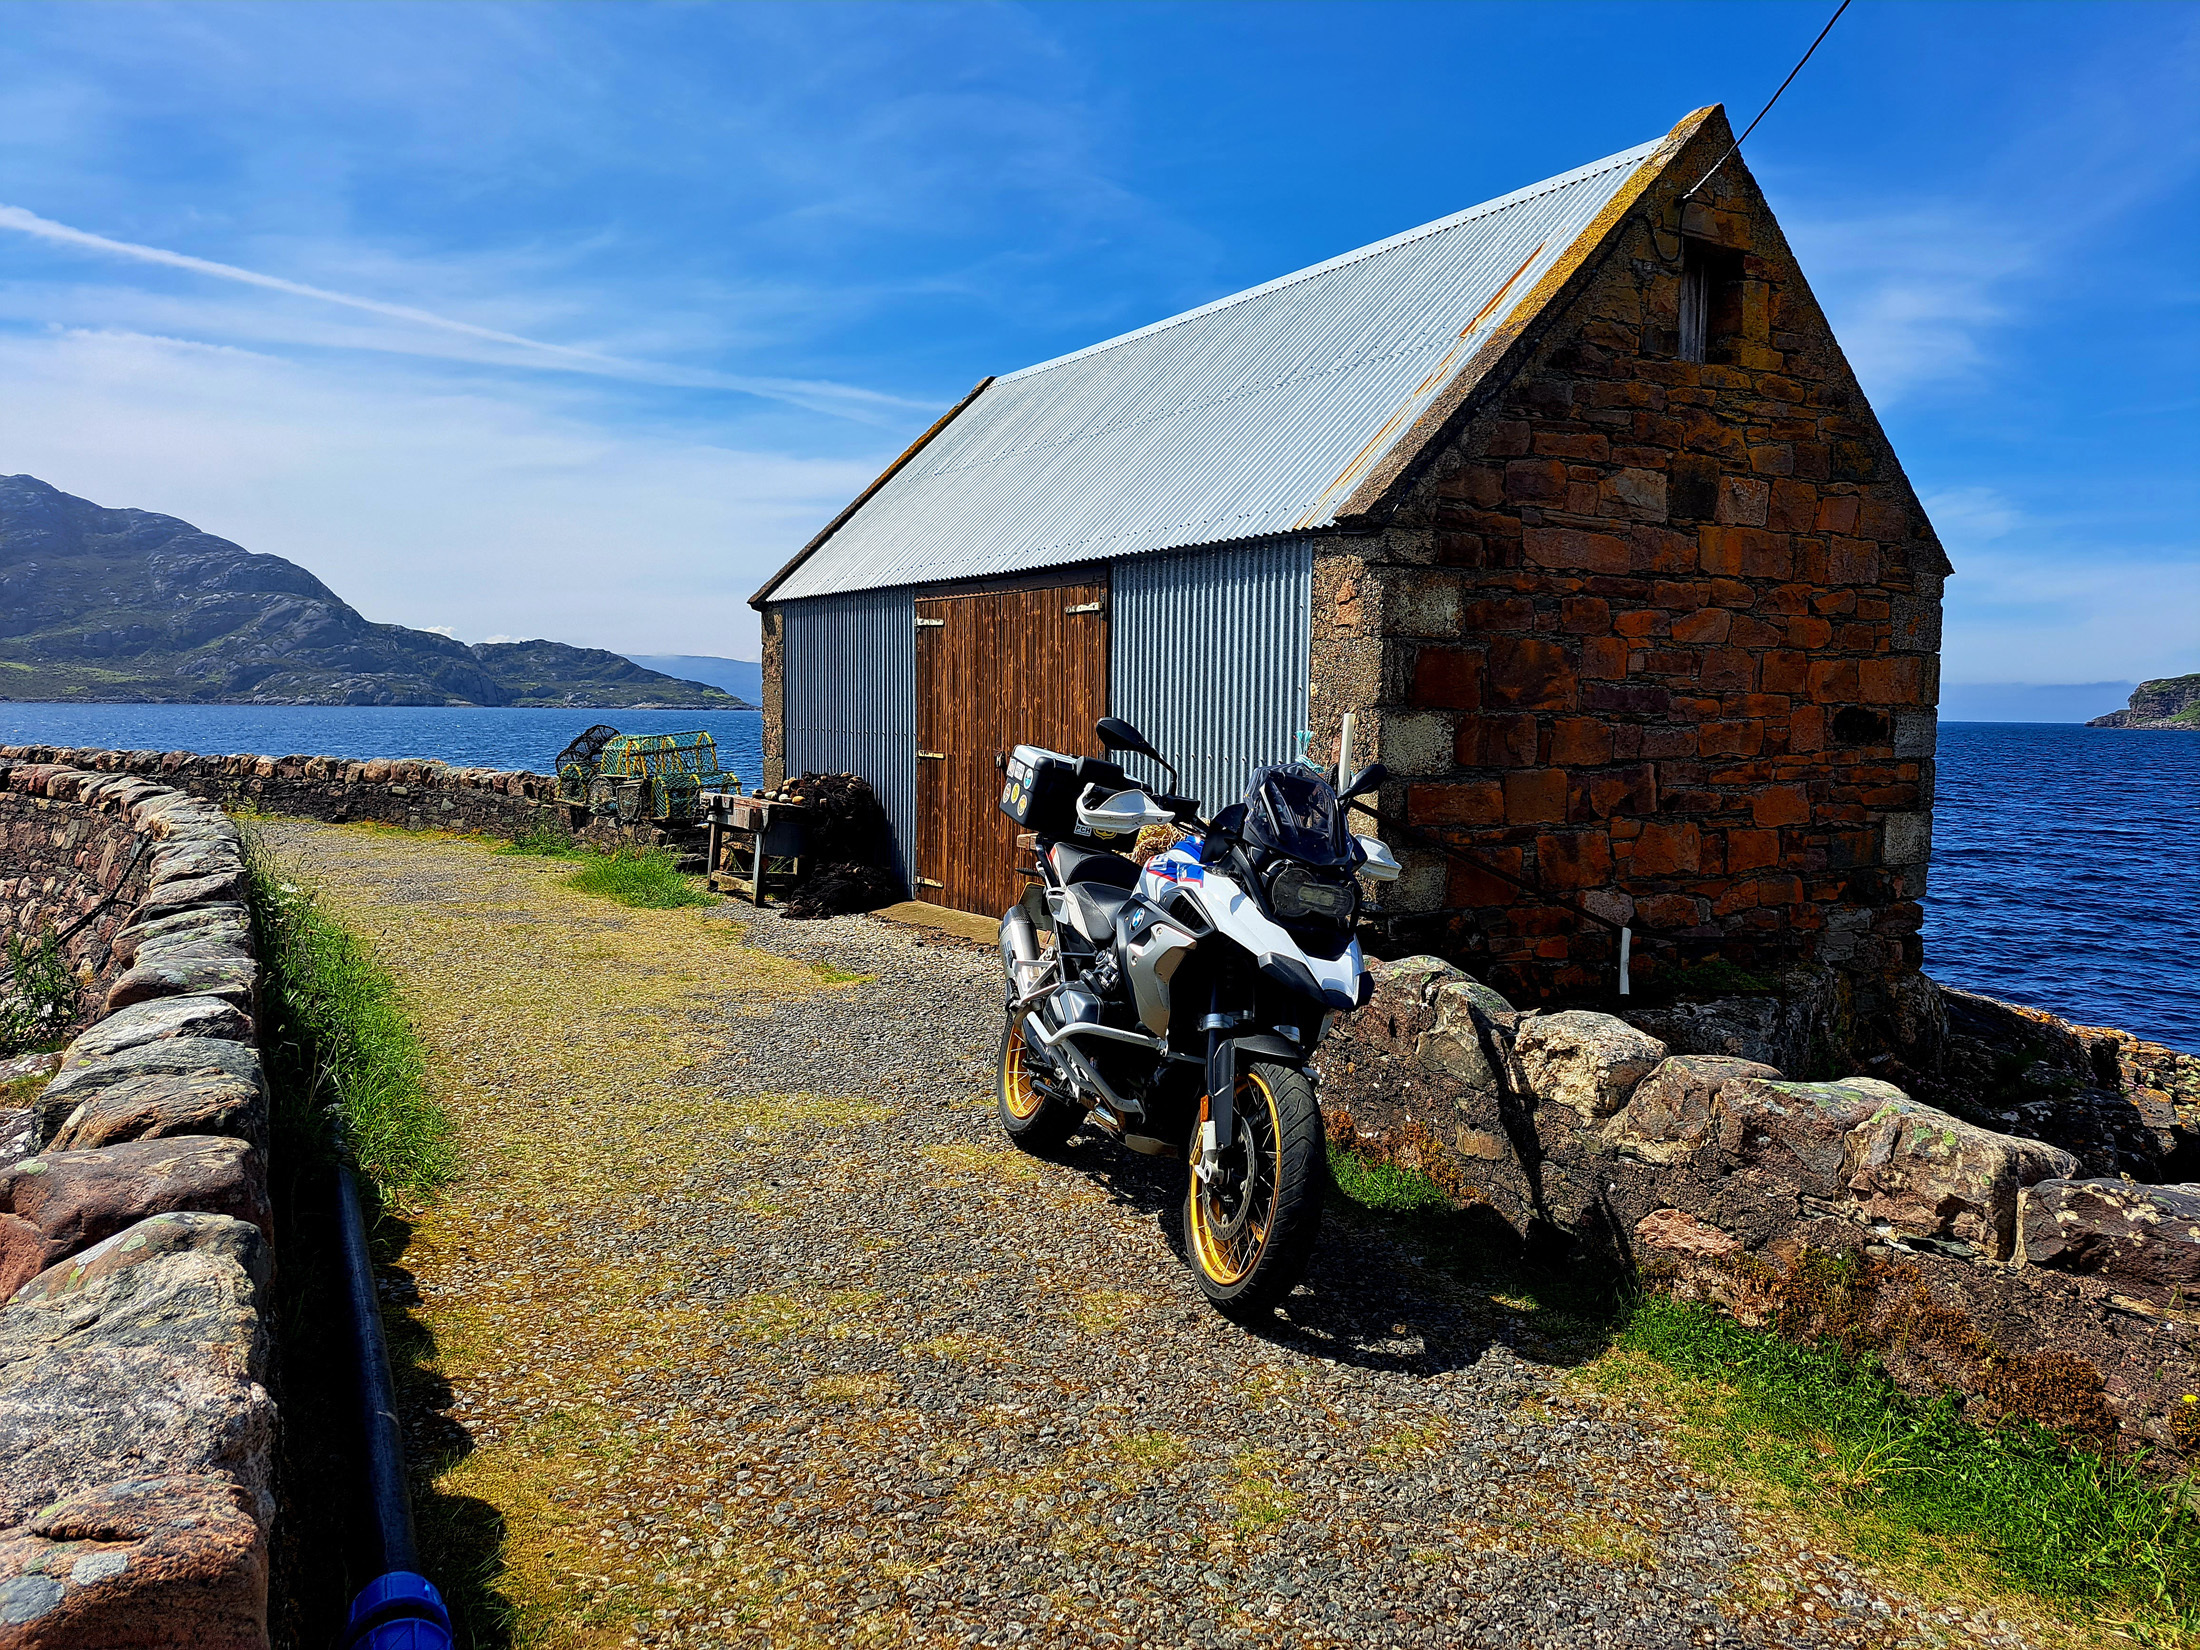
(1767, 109)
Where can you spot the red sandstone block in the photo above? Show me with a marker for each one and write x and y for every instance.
(1633, 491)
(1877, 519)
(1731, 668)
(1668, 743)
(1751, 850)
(1838, 514)
(1666, 661)
(1739, 896)
(1731, 738)
(1833, 681)
(1614, 588)
(1507, 438)
(1495, 742)
(1604, 656)
(1535, 797)
(1632, 789)
(1808, 633)
(1667, 849)
(1535, 478)
(1458, 802)
(1559, 444)
(1470, 886)
(1794, 506)
(1710, 624)
(1627, 698)
(1851, 561)
(1671, 911)
(1578, 742)
(1860, 637)
(1746, 552)
(1571, 548)
(1448, 678)
(1646, 623)
(1894, 680)
(1578, 859)
(1677, 597)
(1784, 599)
(1581, 500)
(1528, 673)
(1752, 632)
(1585, 615)
(1655, 549)
(1780, 805)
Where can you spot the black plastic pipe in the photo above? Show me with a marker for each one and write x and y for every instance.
(400, 1608)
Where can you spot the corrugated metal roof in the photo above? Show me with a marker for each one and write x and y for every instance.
(1253, 415)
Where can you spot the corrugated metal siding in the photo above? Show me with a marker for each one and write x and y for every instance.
(1208, 657)
(851, 697)
(1254, 415)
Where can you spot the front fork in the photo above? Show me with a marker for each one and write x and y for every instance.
(1219, 1128)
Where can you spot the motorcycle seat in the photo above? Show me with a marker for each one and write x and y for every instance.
(1093, 907)
(1092, 865)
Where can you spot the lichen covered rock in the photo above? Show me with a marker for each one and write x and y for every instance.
(1671, 1114)
(2143, 1237)
(1583, 1060)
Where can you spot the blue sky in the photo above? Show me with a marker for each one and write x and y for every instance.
(577, 319)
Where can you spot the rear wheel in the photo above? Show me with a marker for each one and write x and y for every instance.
(1250, 1230)
(1030, 1116)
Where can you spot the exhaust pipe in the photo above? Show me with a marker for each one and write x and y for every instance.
(1021, 960)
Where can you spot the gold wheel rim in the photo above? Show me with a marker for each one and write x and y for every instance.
(1229, 1259)
(1019, 1095)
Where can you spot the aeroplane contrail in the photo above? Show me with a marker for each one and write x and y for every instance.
(806, 392)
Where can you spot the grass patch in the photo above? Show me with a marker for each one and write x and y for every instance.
(345, 1053)
(642, 877)
(1905, 1483)
(544, 840)
(1384, 1188)
(1916, 1483)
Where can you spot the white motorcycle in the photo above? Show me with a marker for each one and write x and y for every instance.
(1175, 1005)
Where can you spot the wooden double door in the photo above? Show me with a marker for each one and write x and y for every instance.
(997, 669)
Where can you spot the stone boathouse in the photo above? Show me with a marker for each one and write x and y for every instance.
(1571, 499)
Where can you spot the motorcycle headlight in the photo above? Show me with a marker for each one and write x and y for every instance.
(1300, 896)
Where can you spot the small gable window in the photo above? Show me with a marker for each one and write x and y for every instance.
(1711, 280)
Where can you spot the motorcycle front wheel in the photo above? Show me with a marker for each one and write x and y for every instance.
(1250, 1230)
(1032, 1118)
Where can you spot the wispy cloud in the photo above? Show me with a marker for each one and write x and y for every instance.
(815, 395)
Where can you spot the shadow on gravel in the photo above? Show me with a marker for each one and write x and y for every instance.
(461, 1536)
(1416, 1294)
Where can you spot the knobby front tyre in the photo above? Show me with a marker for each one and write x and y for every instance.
(1033, 1119)
(1250, 1232)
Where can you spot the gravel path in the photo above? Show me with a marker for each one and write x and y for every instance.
(759, 1334)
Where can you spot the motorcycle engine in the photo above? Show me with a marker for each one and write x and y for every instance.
(1075, 1003)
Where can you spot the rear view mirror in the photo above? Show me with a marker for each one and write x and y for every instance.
(1369, 778)
(1118, 735)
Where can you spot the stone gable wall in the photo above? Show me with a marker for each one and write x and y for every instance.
(1655, 636)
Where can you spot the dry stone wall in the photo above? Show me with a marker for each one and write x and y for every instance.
(135, 1260)
(1972, 1259)
(415, 794)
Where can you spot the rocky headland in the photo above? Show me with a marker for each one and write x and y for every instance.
(103, 605)
(2170, 704)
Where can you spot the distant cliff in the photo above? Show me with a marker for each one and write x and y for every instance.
(125, 606)
(2171, 703)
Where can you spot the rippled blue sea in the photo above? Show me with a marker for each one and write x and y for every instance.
(2064, 865)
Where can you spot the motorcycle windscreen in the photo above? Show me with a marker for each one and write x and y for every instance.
(1291, 810)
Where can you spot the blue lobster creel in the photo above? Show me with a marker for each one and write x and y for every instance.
(398, 1611)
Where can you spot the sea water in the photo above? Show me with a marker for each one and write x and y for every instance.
(2064, 867)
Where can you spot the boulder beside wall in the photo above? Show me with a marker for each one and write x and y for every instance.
(2141, 1238)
